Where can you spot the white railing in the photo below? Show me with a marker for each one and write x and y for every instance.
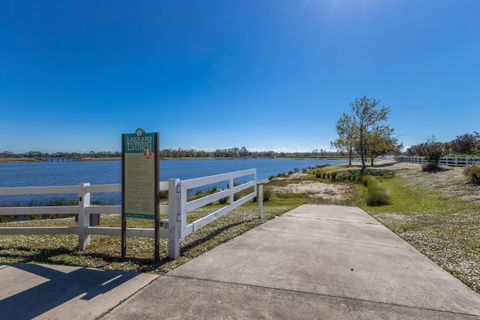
(446, 161)
(177, 209)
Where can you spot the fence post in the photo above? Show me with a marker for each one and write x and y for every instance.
(83, 218)
(260, 202)
(231, 186)
(174, 219)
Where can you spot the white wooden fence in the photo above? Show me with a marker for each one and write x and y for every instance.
(446, 161)
(178, 208)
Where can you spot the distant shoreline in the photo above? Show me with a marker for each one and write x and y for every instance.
(22, 160)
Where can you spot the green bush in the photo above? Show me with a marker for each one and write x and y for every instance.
(333, 175)
(163, 195)
(377, 195)
(369, 181)
(319, 174)
(430, 167)
(223, 201)
(343, 176)
(473, 172)
(381, 173)
(267, 193)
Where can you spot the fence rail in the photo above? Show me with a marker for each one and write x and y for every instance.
(446, 161)
(179, 206)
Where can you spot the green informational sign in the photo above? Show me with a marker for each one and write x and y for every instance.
(140, 174)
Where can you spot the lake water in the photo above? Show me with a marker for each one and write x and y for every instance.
(106, 172)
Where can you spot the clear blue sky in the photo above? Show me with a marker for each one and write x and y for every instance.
(205, 74)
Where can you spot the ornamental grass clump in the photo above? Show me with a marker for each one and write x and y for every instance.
(369, 180)
(377, 194)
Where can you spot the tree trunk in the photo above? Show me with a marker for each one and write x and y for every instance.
(350, 153)
(372, 159)
(362, 151)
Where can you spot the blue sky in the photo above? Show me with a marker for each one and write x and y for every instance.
(206, 74)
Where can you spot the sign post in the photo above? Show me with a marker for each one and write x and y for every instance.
(140, 182)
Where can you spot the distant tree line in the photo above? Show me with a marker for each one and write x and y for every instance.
(71, 155)
(242, 152)
(465, 144)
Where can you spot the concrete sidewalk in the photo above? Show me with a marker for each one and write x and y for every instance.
(30, 291)
(314, 262)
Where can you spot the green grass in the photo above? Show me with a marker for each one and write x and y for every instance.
(408, 199)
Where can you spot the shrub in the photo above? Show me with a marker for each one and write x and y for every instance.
(163, 195)
(343, 176)
(271, 177)
(433, 151)
(377, 195)
(333, 175)
(267, 193)
(473, 172)
(380, 173)
(369, 181)
(290, 172)
(223, 201)
(430, 167)
(319, 174)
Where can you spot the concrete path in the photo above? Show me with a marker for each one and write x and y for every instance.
(314, 262)
(30, 291)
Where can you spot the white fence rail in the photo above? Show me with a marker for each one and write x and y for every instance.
(446, 161)
(177, 209)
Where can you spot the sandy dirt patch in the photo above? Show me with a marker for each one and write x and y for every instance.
(316, 190)
(296, 175)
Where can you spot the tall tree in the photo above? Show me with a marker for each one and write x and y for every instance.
(347, 133)
(381, 141)
(367, 115)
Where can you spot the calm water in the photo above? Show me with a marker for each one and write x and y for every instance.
(105, 172)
